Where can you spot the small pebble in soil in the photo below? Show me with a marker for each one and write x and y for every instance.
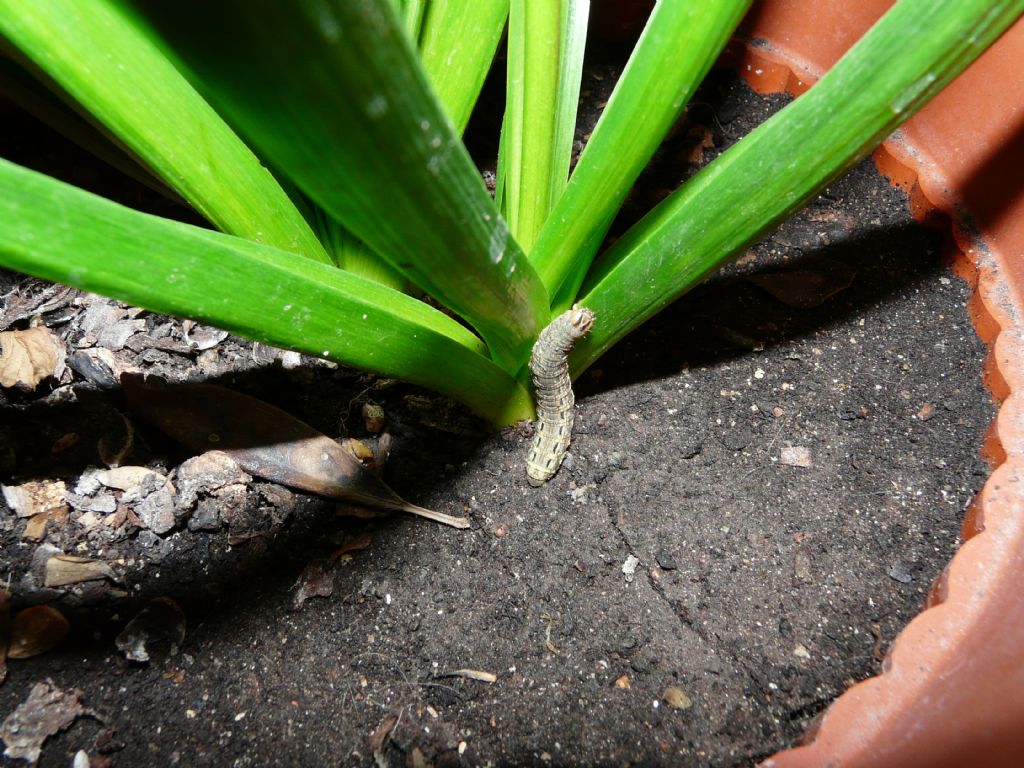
(676, 698)
(900, 572)
(629, 567)
(666, 560)
(795, 456)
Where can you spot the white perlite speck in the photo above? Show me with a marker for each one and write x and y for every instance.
(795, 456)
(629, 567)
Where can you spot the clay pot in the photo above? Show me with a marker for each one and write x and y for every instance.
(952, 688)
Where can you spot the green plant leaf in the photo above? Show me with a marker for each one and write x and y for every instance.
(679, 44)
(99, 56)
(60, 233)
(573, 28)
(332, 93)
(904, 60)
(545, 64)
(42, 103)
(355, 256)
(412, 17)
(457, 46)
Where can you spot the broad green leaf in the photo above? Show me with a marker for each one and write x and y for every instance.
(99, 56)
(677, 48)
(30, 94)
(60, 233)
(545, 64)
(331, 92)
(457, 46)
(904, 60)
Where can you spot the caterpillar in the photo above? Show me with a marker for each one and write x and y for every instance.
(553, 388)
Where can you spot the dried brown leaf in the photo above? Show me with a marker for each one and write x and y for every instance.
(267, 442)
(314, 581)
(27, 357)
(161, 620)
(353, 544)
(36, 630)
(381, 733)
(359, 449)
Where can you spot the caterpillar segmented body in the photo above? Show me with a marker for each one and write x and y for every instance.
(553, 388)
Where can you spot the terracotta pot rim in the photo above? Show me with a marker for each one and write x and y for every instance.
(958, 607)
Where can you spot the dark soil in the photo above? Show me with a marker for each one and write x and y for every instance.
(758, 498)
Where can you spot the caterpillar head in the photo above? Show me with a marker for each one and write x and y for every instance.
(582, 320)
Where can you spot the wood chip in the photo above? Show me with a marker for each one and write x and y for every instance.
(127, 477)
(64, 442)
(34, 498)
(380, 734)
(202, 337)
(39, 299)
(46, 711)
(28, 357)
(373, 417)
(472, 674)
(97, 365)
(36, 528)
(206, 474)
(62, 570)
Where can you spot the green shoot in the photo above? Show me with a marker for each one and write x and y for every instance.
(680, 43)
(545, 60)
(787, 160)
